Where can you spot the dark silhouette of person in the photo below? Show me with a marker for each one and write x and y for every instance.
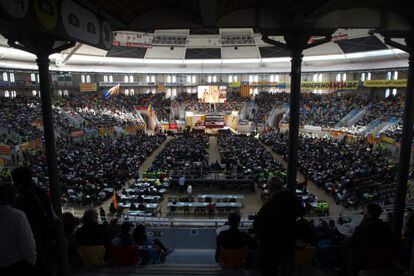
(35, 203)
(275, 227)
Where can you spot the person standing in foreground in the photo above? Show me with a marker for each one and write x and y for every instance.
(275, 227)
(17, 245)
(35, 203)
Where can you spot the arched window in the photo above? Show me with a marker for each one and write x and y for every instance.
(32, 77)
(126, 79)
(5, 77)
(188, 79)
(168, 79)
(153, 79)
(82, 78)
(193, 79)
(214, 78)
(395, 76)
(131, 78)
(363, 77)
(188, 90)
(147, 78)
(111, 78)
(250, 79)
(394, 92)
(131, 92)
(105, 78)
(230, 78)
(126, 92)
(173, 79)
(174, 93)
(13, 94)
(320, 78)
(88, 78)
(369, 76)
(6, 94)
(209, 79)
(12, 77)
(65, 93)
(256, 78)
(344, 77)
(388, 75)
(60, 93)
(387, 93)
(315, 77)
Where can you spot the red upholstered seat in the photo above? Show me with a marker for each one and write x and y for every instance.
(125, 255)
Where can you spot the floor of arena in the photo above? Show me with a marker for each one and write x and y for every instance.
(251, 202)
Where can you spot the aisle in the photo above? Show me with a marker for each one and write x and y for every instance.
(147, 164)
(334, 208)
(213, 151)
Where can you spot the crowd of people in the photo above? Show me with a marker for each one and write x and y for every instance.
(352, 173)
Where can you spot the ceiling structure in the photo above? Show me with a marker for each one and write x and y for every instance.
(226, 35)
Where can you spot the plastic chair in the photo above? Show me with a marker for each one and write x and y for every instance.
(304, 257)
(125, 255)
(92, 255)
(232, 258)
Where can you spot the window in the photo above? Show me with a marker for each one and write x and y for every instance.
(363, 77)
(394, 77)
(148, 91)
(131, 78)
(6, 94)
(13, 94)
(153, 91)
(168, 79)
(235, 78)
(188, 90)
(388, 75)
(60, 93)
(5, 77)
(320, 78)
(194, 90)
(147, 78)
(255, 91)
(193, 79)
(88, 78)
(37, 77)
(34, 93)
(338, 77)
(209, 79)
(174, 79)
(214, 78)
(272, 78)
(105, 78)
(387, 93)
(230, 78)
(111, 78)
(32, 77)
(344, 77)
(256, 78)
(315, 77)
(65, 93)
(250, 79)
(369, 76)
(126, 79)
(153, 79)
(12, 77)
(188, 79)
(174, 93)
(126, 91)
(82, 78)
(131, 92)
(168, 94)
(394, 92)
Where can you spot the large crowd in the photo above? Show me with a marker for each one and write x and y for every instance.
(352, 173)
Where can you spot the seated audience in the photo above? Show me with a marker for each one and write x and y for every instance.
(17, 244)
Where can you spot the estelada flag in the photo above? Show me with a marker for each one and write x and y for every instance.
(115, 201)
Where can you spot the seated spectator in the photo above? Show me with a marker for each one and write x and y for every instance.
(233, 238)
(372, 237)
(124, 238)
(69, 224)
(91, 233)
(152, 250)
(17, 244)
(113, 228)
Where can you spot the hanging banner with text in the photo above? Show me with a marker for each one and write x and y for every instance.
(385, 83)
(330, 85)
(88, 87)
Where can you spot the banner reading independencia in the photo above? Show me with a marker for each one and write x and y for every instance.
(386, 83)
(330, 85)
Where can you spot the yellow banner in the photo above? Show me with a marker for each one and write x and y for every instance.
(329, 85)
(385, 83)
(234, 84)
(388, 140)
(88, 87)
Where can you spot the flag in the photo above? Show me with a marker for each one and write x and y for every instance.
(115, 201)
(114, 91)
(151, 109)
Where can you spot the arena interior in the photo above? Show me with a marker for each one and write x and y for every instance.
(157, 129)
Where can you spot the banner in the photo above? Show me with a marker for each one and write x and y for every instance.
(88, 87)
(77, 133)
(161, 88)
(329, 85)
(234, 84)
(385, 83)
(5, 150)
(388, 140)
(245, 90)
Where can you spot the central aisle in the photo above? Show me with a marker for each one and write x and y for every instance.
(213, 151)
